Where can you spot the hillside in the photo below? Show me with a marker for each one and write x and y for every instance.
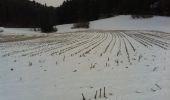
(125, 22)
(126, 58)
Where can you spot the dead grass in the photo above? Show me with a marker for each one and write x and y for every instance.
(14, 38)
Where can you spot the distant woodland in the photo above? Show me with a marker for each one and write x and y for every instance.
(25, 13)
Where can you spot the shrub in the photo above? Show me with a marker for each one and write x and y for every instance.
(81, 25)
(48, 29)
(141, 16)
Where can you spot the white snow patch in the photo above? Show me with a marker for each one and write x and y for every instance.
(123, 22)
(20, 31)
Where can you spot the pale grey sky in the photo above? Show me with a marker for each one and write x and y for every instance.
(54, 3)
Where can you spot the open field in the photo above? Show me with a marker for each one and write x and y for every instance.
(132, 65)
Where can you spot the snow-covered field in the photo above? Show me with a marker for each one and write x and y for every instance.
(156, 23)
(125, 22)
(131, 65)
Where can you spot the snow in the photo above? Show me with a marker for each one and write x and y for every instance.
(127, 23)
(132, 63)
(19, 31)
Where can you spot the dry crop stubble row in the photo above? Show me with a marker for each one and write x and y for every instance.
(85, 42)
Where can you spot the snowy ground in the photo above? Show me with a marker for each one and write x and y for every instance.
(125, 22)
(156, 23)
(132, 65)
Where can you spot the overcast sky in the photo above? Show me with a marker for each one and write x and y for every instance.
(54, 3)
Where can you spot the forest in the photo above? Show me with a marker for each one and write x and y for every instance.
(25, 13)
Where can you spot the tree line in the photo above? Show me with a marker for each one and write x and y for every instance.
(25, 13)
(80, 10)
